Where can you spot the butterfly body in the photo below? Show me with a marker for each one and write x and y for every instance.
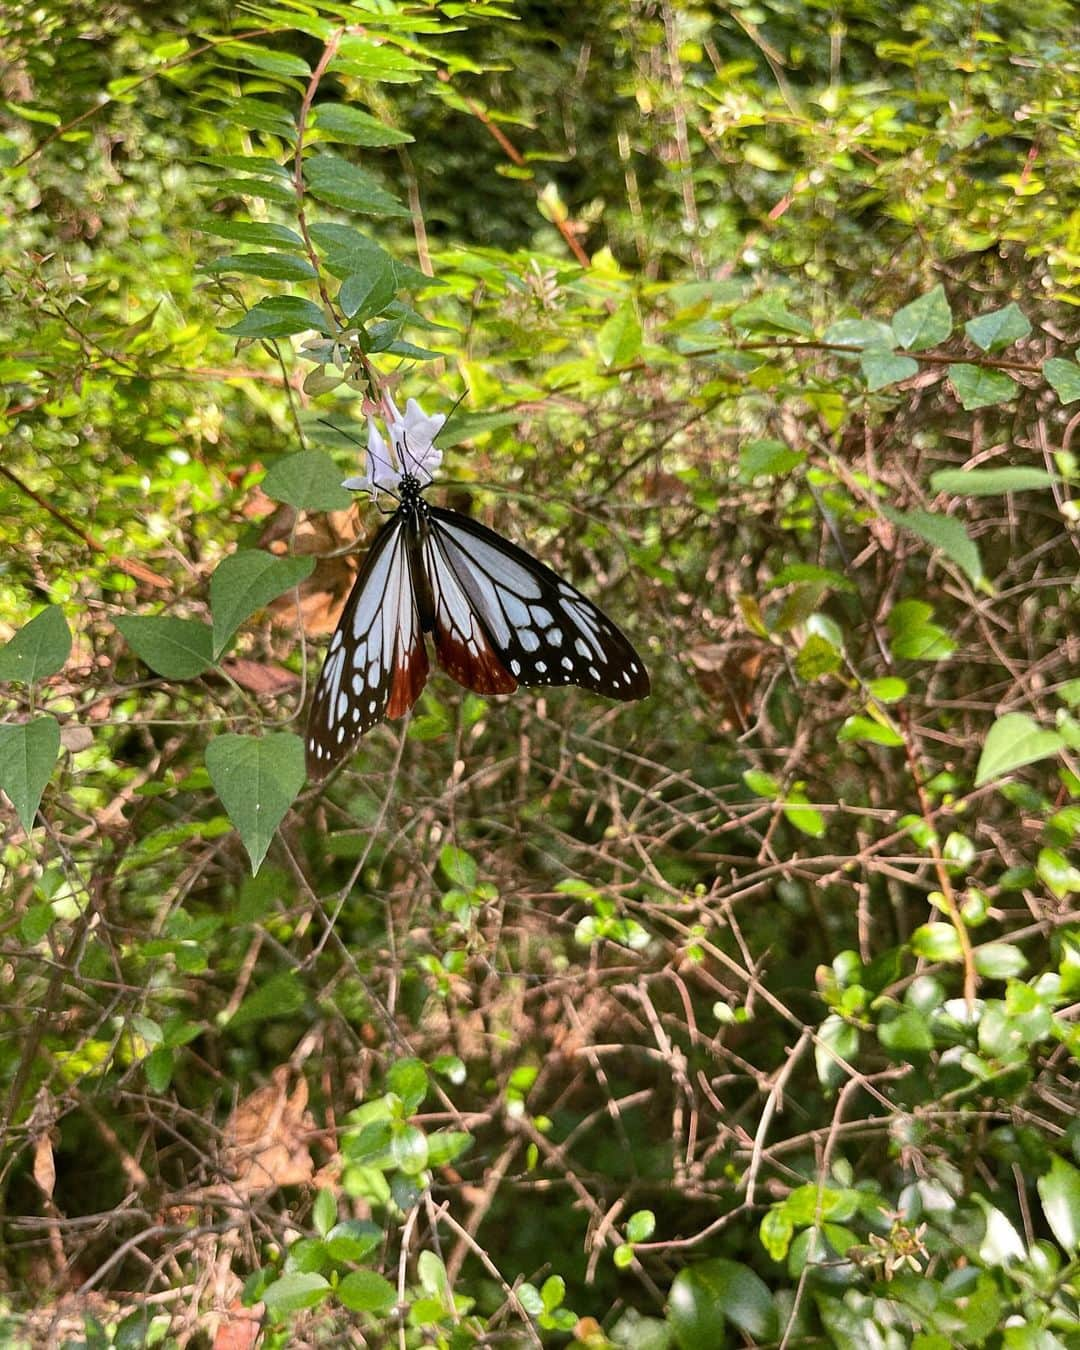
(498, 618)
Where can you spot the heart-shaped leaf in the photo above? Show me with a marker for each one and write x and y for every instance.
(257, 779)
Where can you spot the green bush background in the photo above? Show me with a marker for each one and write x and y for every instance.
(745, 1014)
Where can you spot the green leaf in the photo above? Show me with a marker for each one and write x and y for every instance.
(913, 637)
(366, 1291)
(860, 333)
(446, 1145)
(432, 1275)
(705, 1295)
(299, 1289)
(870, 730)
(341, 122)
(348, 252)
(881, 368)
(38, 919)
(367, 60)
(255, 232)
(280, 316)
(459, 866)
(1000, 961)
(28, 752)
(990, 482)
(280, 996)
(936, 942)
(338, 183)
(39, 649)
(641, 1225)
(177, 649)
(366, 294)
(308, 480)
(158, 1068)
(925, 322)
(324, 1212)
(619, 338)
(1014, 740)
(246, 581)
(257, 779)
(999, 328)
(906, 1033)
(1063, 377)
(262, 58)
(770, 459)
(353, 1239)
(840, 1037)
(257, 114)
(408, 1080)
(944, 533)
(272, 266)
(979, 388)
(409, 1150)
(1059, 1191)
(769, 314)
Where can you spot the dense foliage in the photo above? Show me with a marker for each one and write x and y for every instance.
(744, 1014)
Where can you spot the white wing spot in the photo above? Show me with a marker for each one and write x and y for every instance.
(554, 636)
(541, 666)
(340, 734)
(372, 706)
(567, 663)
(528, 639)
(515, 667)
(541, 616)
(373, 674)
(594, 672)
(335, 642)
(357, 685)
(342, 704)
(582, 648)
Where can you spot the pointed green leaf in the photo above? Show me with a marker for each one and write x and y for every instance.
(366, 294)
(459, 866)
(308, 480)
(944, 533)
(39, 649)
(836, 1037)
(859, 333)
(348, 252)
(881, 368)
(925, 322)
(619, 338)
(281, 995)
(1063, 377)
(769, 314)
(257, 779)
(706, 1295)
(255, 232)
(339, 183)
(999, 328)
(272, 266)
(273, 62)
(342, 122)
(1059, 1190)
(246, 581)
(258, 114)
(914, 637)
(979, 388)
(28, 752)
(1014, 740)
(990, 482)
(280, 316)
(178, 649)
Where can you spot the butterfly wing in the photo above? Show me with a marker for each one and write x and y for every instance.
(524, 618)
(376, 664)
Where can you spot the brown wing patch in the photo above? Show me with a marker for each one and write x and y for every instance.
(410, 672)
(472, 662)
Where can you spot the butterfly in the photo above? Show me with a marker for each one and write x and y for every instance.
(498, 616)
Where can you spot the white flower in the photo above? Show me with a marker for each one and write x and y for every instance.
(411, 449)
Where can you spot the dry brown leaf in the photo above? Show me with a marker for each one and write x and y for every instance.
(266, 1137)
(45, 1163)
(239, 1328)
(730, 674)
(259, 678)
(323, 594)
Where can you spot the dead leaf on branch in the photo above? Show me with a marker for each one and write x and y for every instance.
(267, 1137)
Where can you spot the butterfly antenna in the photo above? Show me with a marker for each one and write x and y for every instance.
(457, 404)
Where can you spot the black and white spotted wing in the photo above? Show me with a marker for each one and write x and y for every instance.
(498, 617)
